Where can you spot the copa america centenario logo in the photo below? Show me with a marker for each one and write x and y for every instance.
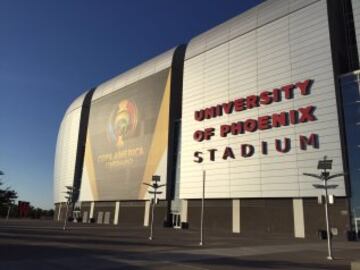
(122, 122)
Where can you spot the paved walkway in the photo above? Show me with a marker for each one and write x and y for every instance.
(44, 245)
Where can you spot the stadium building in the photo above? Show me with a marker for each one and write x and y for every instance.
(249, 106)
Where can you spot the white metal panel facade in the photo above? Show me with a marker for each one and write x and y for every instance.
(65, 156)
(77, 103)
(256, 17)
(284, 51)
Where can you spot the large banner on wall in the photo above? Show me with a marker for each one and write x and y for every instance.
(127, 140)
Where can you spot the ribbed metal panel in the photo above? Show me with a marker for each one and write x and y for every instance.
(76, 104)
(66, 147)
(282, 49)
(254, 18)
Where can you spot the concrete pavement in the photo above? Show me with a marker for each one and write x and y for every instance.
(27, 244)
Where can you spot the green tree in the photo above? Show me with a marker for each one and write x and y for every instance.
(7, 195)
(7, 198)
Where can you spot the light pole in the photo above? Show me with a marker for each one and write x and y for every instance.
(356, 222)
(202, 210)
(8, 212)
(324, 176)
(154, 186)
(69, 198)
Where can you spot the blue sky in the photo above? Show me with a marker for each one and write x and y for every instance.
(52, 51)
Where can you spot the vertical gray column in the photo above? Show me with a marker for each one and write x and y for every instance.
(184, 211)
(236, 216)
(92, 206)
(147, 213)
(299, 224)
(116, 213)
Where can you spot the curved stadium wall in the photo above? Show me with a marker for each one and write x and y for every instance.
(255, 103)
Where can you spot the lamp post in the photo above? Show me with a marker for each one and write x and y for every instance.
(154, 186)
(324, 176)
(69, 199)
(202, 211)
(8, 212)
